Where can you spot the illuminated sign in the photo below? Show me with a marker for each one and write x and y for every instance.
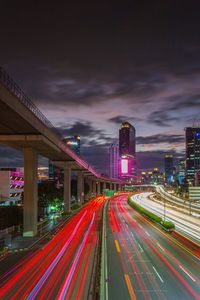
(124, 166)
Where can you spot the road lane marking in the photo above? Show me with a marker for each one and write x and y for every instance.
(140, 247)
(158, 275)
(117, 246)
(160, 247)
(173, 240)
(130, 287)
(187, 273)
(147, 232)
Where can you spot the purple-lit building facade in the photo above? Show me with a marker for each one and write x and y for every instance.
(127, 142)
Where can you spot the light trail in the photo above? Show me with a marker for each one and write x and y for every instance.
(42, 276)
(67, 282)
(178, 218)
(40, 283)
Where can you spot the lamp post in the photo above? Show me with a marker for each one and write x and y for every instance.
(164, 209)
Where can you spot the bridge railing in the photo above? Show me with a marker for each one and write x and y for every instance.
(19, 93)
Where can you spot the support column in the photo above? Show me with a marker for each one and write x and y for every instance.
(98, 188)
(30, 205)
(94, 191)
(80, 187)
(115, 189)
(104, 185)
(67, 188)
(90, 186)
(110, 185)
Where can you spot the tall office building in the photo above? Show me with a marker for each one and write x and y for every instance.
(181, 171)
(192, 135)
(169, 169)
(127, 151)
(127, 140)
(114, 161)
(74, 143)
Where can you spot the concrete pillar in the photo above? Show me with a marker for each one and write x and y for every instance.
(98, 188)
(101, 187)
(90, 187)
(30, 205)
(104, 185)
(94, 187)
(80, 187)
(115, 189)
(110, 185)
(67, 188)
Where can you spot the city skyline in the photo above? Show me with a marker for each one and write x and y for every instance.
(100, 150)
(96, 66)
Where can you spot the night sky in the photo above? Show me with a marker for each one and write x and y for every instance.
(89, 65)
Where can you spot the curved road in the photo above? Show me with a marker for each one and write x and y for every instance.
(188, 225)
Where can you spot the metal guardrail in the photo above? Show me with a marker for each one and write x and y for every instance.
(18, 92)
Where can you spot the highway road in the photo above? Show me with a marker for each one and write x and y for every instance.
(144, 262)
(185, 224)
(63, 268)
(160, 189)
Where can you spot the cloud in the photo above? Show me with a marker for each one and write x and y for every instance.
(84, 129)
(160, 138)
(90, 136)
(119, 119)
(161, 118)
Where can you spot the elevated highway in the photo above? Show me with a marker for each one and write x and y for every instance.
(24, 127)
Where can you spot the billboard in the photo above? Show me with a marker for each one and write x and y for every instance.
(124, 166)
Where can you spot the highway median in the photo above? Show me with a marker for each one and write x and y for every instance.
(166, 225)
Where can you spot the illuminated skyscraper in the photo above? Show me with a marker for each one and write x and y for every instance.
(73, 143)
(127, 151)
(169, 174)
(192, 135)
(127, 140)
(114, 161)
(181, 171)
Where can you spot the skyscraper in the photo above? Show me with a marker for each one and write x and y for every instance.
(73, 143)
(192, 135)
(114, 161)
(169, 174)
(181, 171)
(127, 151)
(127, 140)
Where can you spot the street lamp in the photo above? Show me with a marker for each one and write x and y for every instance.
(164, 209)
